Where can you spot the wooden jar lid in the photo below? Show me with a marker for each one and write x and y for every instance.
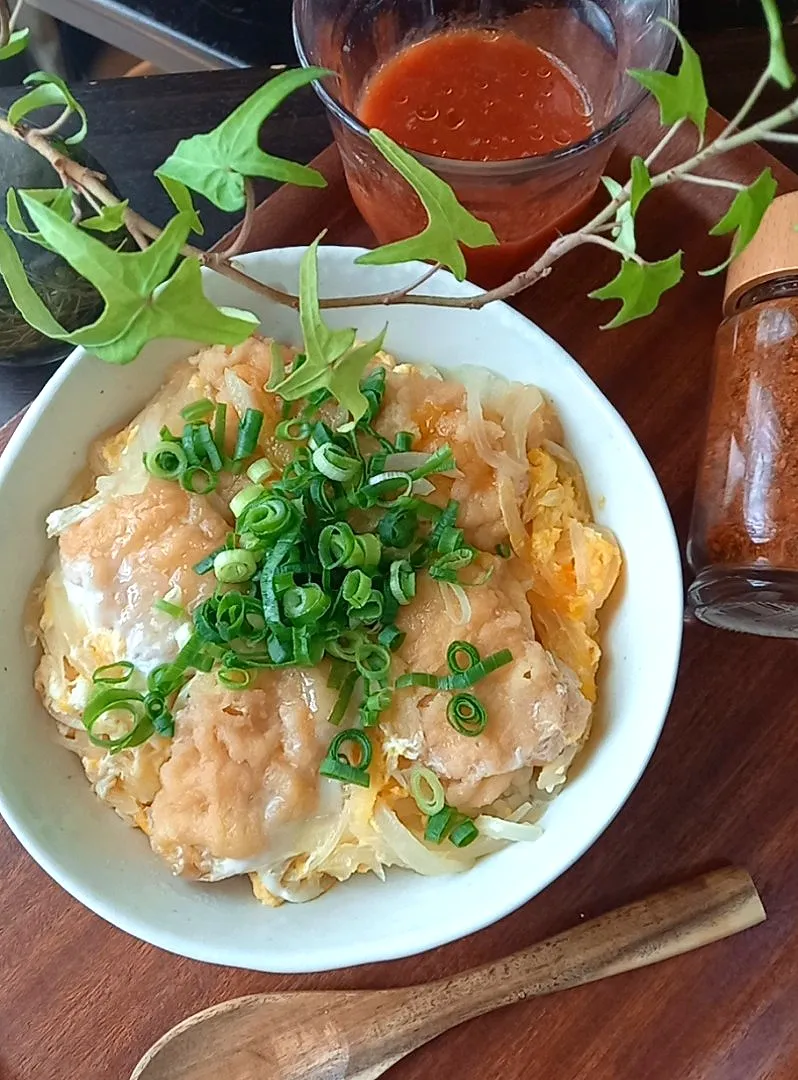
(772, 253)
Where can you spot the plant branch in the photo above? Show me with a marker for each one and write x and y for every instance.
(747, 105)
(666, 138)
(407, 289)
(245, 228)
(57, 124)
(712, 181)
(5, 24)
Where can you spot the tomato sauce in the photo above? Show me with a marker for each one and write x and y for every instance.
(475, 95)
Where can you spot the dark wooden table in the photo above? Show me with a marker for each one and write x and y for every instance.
(717, 790)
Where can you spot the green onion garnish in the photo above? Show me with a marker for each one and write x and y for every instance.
(113, 700)
(372, 661)
(356, 589)
(464, 834)
(113, 674)
(403, 441)
(197, 410)
(305, 604)
(335, 464)
(233, 567)
(441, 461)
(402, 581)
(467, 715)
(439, 825)
(248, 432)
(293, 430)
(166, 461)
(168, 608)
(344, 697)
(220, 426)
(241, 500)
(198, 480)
(427, 790)
(234, 678)
(337, 766)
(204, 444)
(260, 470)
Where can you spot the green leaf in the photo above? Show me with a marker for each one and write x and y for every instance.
(449, 224)
(639, 286)
(181, 200)
(641, 183)
(682, 96)
(623, 232)
(49, 90)
(744, 216)
(58, 199)
(778, 65)
(332, 360)
(217, 164)
(17, 43)
(110, 219)
(143, 298)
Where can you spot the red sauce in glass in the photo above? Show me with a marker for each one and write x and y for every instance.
(476, 95)
(481, 95)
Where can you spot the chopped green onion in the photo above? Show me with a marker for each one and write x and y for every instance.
(419, 678)
(402, 581)
(113, 674)
(198, 480)
(293, 430)
(445, 521)
(372, 661)
(391, 637)
(464, 834)
(338, 766)
(450, 540)
(504, 551)
(446, 566)
(204, 443)
(356, 589)
(305, 604)
(248, 432)
(336, 544)
(398, 527)
(387, 482)
(241, 500)
(367, 552)
(378, 702)
(344, 697)
(441, 461)
(427, 790)
(403, 441)
(233, 567)
(267, 517)
(204, 566)
(462, 648)
(234, 678)
(439, 825)
(112, 700)
(345, 645)
(166, 461)
(168, 608)
(197, 410)
(467, 715)
(336, 465)
(260, 470)
(220, 427)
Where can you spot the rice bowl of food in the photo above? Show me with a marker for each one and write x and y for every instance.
(314, 671)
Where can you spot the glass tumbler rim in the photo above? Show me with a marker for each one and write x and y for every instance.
(511, 166)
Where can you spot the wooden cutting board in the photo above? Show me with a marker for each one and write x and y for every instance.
(81, 999)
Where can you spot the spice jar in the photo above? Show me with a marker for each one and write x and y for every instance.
(743, 544)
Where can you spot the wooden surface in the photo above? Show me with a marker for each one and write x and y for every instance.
(298, 1036)
(80, 999)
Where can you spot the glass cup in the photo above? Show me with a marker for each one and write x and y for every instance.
(527, 201)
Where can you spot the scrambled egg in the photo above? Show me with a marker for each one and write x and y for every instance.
(237, 790)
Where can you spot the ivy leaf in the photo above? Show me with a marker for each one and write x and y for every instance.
(623, 232)
(682, 96)
(639, 286)
(181, 200)
(744, 216)
(778, 65)
(449, 224)
(58, 199)
(641, 183)
(142, 300)
(217, 164)
(17, 43)
(110, 219)
(332, 360)
(49, 90)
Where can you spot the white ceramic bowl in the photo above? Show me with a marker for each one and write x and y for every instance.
(110, 867)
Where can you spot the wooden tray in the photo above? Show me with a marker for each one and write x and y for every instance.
(81, 999)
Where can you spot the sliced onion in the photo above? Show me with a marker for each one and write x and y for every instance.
(240, 393)
(497, 459)
(511, 514)
(455, 602)
(523, 419)
(498, 829)
(579, 548)
(408, 851)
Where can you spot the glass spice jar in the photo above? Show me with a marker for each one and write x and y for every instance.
(743, 545)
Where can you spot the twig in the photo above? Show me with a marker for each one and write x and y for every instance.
(780, 136)
(57, 124)
(666, 138)
(712, 181)
(747, 105)
(392, 297)
(5, 24)
(245, 228)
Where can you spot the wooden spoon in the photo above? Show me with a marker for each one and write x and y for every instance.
(358, 1035)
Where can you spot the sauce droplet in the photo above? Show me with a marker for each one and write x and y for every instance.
(427, 112)
(453, 119)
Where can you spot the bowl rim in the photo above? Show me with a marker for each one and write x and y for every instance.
(512, 166)
(204, 950)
